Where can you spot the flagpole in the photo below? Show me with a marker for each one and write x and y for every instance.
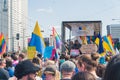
(54, 41)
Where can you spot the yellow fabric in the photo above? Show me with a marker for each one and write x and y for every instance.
(103, 54)
(85, 40)
(97, 41)
(109, 38)
(106, 46)
(39, 73)
(37, 31)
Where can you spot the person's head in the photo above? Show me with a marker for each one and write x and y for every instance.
(113, 72)
(6, 56)
(8, 63)
(49, 62)
(50, 72)
(71, 43)
(100, 70)
(91, 65)
(14, 57)
(26, 70)
(95, 56)
(76, 42)
(82, 61)
(83, 76)
(113, 61)
(21, 56)
(39, 55)
(2, 63)
(62, 56)
(67, 68)
(36, 60)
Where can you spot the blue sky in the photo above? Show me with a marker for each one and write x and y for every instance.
(51, 13)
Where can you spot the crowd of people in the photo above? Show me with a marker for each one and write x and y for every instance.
(16, 66)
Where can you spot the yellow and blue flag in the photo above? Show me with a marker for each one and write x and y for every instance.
(37, 39)
(98, 41)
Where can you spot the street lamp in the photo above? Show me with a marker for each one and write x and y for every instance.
(118, 20)
(115, 19)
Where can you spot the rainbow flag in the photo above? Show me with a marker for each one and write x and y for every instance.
(37, 39)
(110, 40)
(2, 44)
(57, 41)
(109, 44)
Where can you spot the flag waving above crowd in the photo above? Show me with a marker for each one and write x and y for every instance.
(57, 41)
(37, 39)
(2, 44)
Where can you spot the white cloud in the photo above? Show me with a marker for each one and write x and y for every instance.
(49, 10)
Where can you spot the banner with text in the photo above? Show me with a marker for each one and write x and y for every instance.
(89, 48)
(83, 29)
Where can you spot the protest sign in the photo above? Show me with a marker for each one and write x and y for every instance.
(31, 52)
(89, 48)
(48, 52)
(74, 52)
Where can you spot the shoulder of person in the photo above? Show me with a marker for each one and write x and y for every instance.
(12, 78)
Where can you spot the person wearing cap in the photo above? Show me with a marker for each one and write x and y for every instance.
(67, 70)
(26, 70)
(51, 73)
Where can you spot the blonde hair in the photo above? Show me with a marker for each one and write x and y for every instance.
(57, 75)
(49, 62)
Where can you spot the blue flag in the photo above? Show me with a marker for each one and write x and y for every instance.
(37, 39)
(100, 47)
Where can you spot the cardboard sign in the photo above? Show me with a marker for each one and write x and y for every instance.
(74, 52)
(31, 52)
(89, 48)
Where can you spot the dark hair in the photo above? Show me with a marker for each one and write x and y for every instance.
(83, 76)
(95, 56)
(39, 55)
(112, 62)
(91, 65)
(22, 55)
(36, 60)
(113, 72)
(84, 59)
(62, 56)
(8, 63)
(5, 55)
(14, 56)
(100, 71)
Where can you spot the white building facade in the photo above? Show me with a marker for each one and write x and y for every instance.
(14, 23)
(114, 30)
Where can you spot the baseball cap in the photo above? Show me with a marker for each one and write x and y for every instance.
(25, 67)
(67, 66)
(50, 69)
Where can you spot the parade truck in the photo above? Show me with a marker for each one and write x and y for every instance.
(80, 28)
